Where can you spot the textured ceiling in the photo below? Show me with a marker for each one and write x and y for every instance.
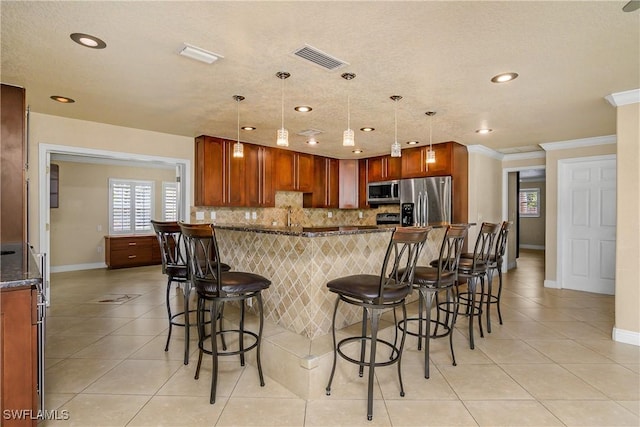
(438, 56)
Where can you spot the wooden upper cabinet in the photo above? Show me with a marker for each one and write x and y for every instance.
(348, 193)
(444, 160)
(293, 171)
(219, 177)
(326, 180)
(384, 168)
(258, 166)
(363, 180)
(414, 162)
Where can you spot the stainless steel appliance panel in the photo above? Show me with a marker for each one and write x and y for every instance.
(431, 199)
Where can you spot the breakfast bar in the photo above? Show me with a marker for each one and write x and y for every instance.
(300, 261)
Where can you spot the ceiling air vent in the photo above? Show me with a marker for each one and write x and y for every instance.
(319, 58)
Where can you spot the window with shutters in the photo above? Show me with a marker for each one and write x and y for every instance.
(169, 201)
(130, 206)
(529, 202)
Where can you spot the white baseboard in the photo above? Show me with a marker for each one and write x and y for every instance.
(551, 284)
(627, 337)
(537, 247)
(76, 267)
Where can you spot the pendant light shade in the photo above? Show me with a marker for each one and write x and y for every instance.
(396, 149)
(283, 134)
(348, 137)
(431, 155)
(238, 148)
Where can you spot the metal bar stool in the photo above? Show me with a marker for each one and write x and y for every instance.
(432, 281)
(217, 287)
(375, 294)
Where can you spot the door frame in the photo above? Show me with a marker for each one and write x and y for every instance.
(183, 172)
(562, 208)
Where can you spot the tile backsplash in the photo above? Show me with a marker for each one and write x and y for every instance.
(277, 216)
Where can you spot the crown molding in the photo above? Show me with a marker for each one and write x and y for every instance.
(485, 151)
(579, 143)
(624, 98)
(525, 156)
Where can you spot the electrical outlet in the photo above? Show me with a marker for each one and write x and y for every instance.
(99, 227)
(99, 249)
(200, 216)
(329, 214)
(360, 215)
(246, 215)
(254, 215)
(213, 215)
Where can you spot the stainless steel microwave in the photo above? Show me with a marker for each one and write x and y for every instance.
(383, 193)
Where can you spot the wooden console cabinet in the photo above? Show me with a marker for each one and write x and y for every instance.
(132, 251)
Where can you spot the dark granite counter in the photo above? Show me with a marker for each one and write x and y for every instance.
(308, 231)
(18, 266)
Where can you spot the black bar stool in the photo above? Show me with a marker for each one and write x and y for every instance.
(432, 281)
(217, 287)
(375, 294)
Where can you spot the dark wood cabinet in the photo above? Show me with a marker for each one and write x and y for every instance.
(384, 168)
(293, 171)
(444, 164)
(19, 353)
(258, 167)
(326, 184)
(414, 162)
(132, 251)
(13, 185)
(219, 177)
(363, 173)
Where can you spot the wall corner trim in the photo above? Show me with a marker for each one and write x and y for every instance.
(485, 151)
(624, 98)
(551, 284)
(579, 143)
(525, 156)
(627, 337)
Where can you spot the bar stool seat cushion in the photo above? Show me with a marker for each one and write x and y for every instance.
(428, 276)
(233, 282)
(365, 287)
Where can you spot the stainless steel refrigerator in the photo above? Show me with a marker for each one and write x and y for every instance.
(425, 201)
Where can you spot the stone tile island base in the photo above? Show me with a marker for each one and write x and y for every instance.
(297, 346)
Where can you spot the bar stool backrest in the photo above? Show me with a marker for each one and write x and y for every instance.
(171, 244)
(484, 244)
(451, 248)
(401, 258)
(203, 261)
(501, 241)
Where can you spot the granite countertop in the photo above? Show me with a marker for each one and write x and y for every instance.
(308, 231)
(18, 266)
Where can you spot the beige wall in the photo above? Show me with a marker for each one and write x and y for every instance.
(485, 191)
(79, 225)
(532, 228)
(47, 129)
(551, 224)
(628, 217)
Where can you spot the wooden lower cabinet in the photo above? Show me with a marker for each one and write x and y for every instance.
(132, 251)
(19, 356)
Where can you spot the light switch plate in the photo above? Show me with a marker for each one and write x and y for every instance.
(213, 214)
(246, 215)
(200, 216)
(254, 215)
(329, 214)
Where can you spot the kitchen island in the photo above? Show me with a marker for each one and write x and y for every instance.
(299, 261)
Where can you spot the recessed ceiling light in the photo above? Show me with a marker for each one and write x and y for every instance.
(303, 109)
(248, 128)
(484, 131)
(313, 141)
(88, 41)
(367, 129)
(504, 77)
(412, 142)
(62, 99)
(357, 151)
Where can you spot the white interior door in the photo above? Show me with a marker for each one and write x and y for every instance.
(587, 219)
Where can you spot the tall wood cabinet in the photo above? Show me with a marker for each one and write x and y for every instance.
(258, 167)
(293, 171)
(219, 177)
(13, 185)
(326, 184)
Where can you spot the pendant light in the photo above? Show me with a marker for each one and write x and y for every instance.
(431, 155)
(238, 149)
(396, 149)
(348, 138)
(283, 134)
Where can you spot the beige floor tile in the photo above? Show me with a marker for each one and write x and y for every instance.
(620, 352)
(632, 405)
(183, 383)
(154, 349)
(617, 382)
(577, 330)
(132, 310)
(145, 327)
(511, 351)
(552, 382)
(591, 413)
(249, 386)
(567, 351)
(62, 346)
(57, 400)
(74, 375)
(440, 353)
(407, 413)
(245, 411)
(100, 410)
(635, 367)
(174, 411)
(96, 325)
(113, 347)
(532, 330)
(482, 382)
(511, 413)
(351, 413)
(135, 377)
